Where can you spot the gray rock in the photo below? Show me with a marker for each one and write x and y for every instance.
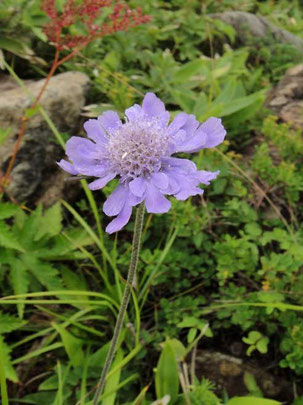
(286, 98)
(228, 372)
(249, 25)
(36, 160)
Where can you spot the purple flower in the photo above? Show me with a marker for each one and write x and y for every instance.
(140, 151)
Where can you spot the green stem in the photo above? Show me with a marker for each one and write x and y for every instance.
(125, 300)
(4, 395)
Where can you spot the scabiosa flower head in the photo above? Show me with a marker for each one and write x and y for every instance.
(140, 152)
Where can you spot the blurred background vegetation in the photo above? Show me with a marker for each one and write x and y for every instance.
(220, 273)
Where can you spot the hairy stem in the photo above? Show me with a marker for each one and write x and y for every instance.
(125, 300)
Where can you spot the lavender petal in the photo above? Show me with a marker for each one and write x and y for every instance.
(110, 121)
(215, 132)
(115, 202)
(121, 220)
(100, 183)
(155, 201)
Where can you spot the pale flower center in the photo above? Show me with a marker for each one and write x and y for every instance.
(136, 148)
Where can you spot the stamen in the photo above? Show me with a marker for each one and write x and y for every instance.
(136, 148)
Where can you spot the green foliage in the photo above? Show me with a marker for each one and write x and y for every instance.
(251, 401)
(20, 22)
(167, 378)
(251, 384)
(256, 341)
(208, 261)
(31, 244)
(203, 394)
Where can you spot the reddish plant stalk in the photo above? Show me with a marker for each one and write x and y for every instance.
(87, 13)
(25, 119)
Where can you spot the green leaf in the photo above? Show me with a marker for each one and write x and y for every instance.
(185, 98)
(185, 73)
(73, 282)
(7, 210)
(112, 382)
(72, 345)
(29, 226)
(188, 322)
(45, 273)
(270, 296)
(8, 239)
(242, 103)
(18, 48)
(12, 45)
(178, 349)
(98, 358)
(66, 245)
(192, 333)
(50, 222)
(262, 345)
(30, 112)
(252, 401)
(52, 382)
(4, 133)
(251, 384)
(253, 337)
(248, 111)
(5, 359)
(250, 350)
(167, 378)
(19, 280)
(8, 323)
(20, 218)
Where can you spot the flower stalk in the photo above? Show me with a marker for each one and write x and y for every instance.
(125, 300)
(121, 18)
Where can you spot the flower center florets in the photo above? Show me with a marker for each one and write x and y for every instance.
(136, 148)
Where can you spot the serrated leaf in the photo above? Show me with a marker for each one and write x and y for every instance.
(29, 228)
(67, 245)
(8, 323)
(19, 280)
(45, 273)
(20, 218)
(73, 282)
(50, 222)
(72, 345)
(5, 359)
(8, 239)
(7, 210)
